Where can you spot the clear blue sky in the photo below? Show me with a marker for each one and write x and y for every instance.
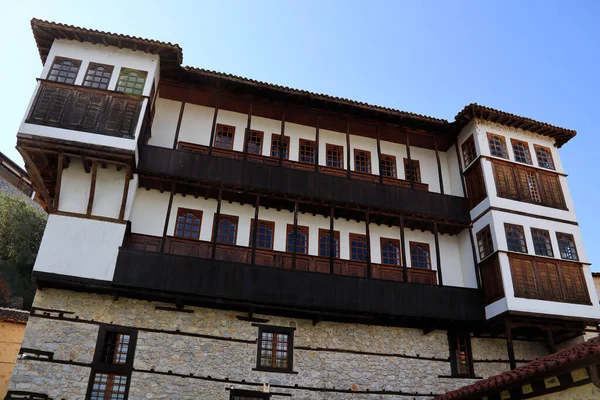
(539, 59)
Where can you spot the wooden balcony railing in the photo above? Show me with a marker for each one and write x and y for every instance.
(87, 110)
(340, 172)
(548, 279)
(277, 259)
(268, 178)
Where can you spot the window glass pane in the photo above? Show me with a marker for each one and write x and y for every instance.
(544, 157)
(226, 230)
(358, 248)
(541, 242)
(108, 387)
(521, 150)
(497, 146)
(131, 81)
(273, 349)
(224, 136)
(64, 70)
(566, 244)
(279, 147)
(388, 166)
(116, 346)
(98, 76)
(307, 151)
(301, 237)
(325, 243)
(515, 238)
(469, 151)
(390, 253)
(188, 224)
(335, 156)
(419, 255)
(485, 243)
(362, 161)
(254, 144)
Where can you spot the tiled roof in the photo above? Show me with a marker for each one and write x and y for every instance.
(45, 32)
(172, 56)
(13, 315)
(320, 96)
(474, 110)
(574, 356)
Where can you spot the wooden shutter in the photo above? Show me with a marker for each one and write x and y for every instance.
(523, 277)
(121, 117)
(506, 185)
(491, 279)
(551, 190)
(575, 289)
(86, 110)
(475, 184)
(50, 104)
(549, 280)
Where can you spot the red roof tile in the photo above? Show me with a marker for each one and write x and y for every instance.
(544, 367)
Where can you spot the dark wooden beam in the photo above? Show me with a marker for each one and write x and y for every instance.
(216, 223)
(214, 125)
(167, 217)
(403, 252)
(378, 134)
(411, 177)
(438, 257)
(282, 139)
(295, 235)
(317, 145)
(125, 193)
(59, 171)
(439, 165)
(92, 189)
(368, 235)
(550, 342)
(34, 173)
(247, 135)
(348, 149)
(181, 111)
(475, 263)
(460, 169)
(331, 240)
(509, 344)
(255, 230)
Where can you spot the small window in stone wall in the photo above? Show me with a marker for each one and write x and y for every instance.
(275, 350)
(113, 363)
(237, 394)
(461, 356)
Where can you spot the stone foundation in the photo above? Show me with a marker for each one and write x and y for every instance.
(199, 355)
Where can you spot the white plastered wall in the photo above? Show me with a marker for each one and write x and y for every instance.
(165, 122)
(86, 53)
(80, 247)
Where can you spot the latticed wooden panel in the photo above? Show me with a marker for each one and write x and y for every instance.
(506, 185)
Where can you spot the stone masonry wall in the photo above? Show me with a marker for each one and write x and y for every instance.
(176, 353)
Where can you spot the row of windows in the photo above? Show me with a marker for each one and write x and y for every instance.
(113, 359)
(97, 76)
(515, 239)
(498, 148)
(225, 135)
(189, 222)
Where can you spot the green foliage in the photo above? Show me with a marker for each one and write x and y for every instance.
(21, 230)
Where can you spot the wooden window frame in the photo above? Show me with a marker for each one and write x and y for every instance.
(536, 235)
(180, 213)
(413, 246)
(353, 237)
(493, 136)
(395, 243)
(76, 63)
(333, 148)
(313, 146)
(303, 230)
(260, 135)
(289, 331)
(336, 236)
(367, 164)
(416, 167)
(98, 365)
(469, 151)
(125, 70)
(234, 393)
(485, 242)
(270, 225)
(475, 183)
(526, 152)
(218, 132)
(216, 231)
(453, 341)
(392, 160)
(109, 69)
(508, 228)
(561, 248)
(548, 155)
(286, 141)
